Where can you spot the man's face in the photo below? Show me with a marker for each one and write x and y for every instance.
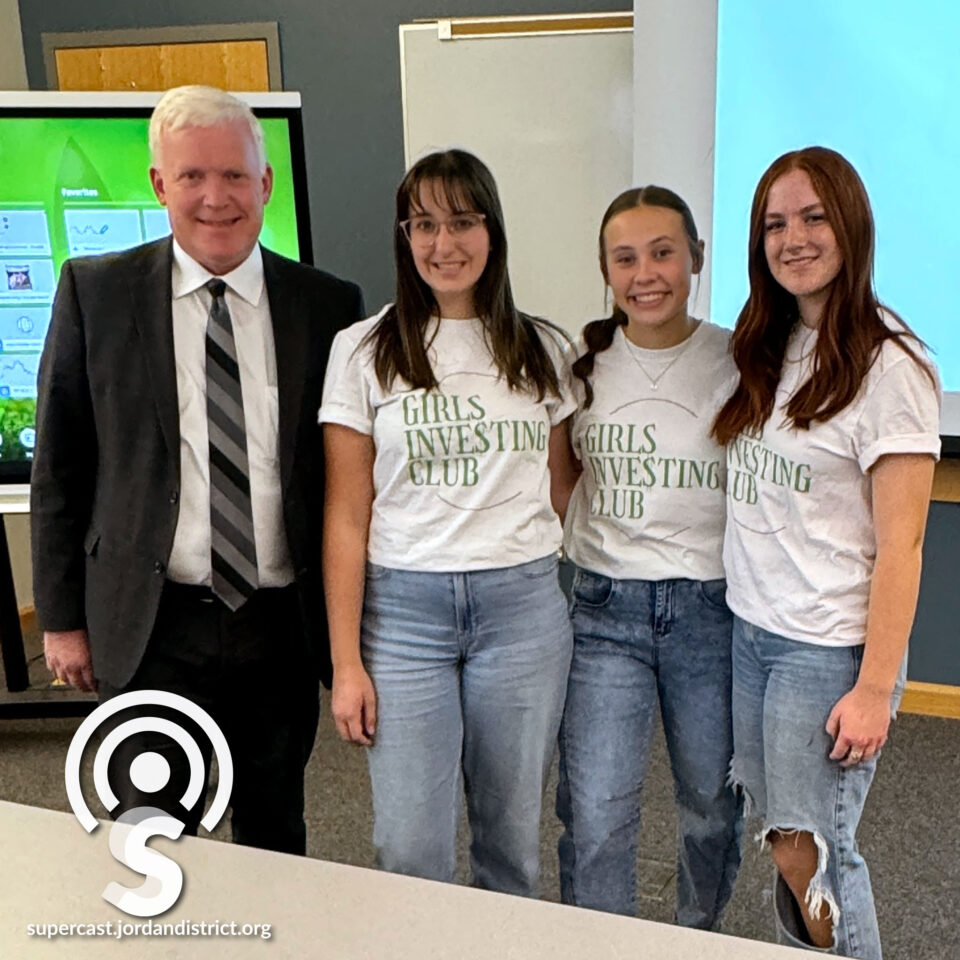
(209, 180)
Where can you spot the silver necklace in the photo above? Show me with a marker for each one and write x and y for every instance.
(802, 337)
(654, 382)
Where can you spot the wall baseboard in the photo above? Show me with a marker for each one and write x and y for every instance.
(28, 617)
(932, 699)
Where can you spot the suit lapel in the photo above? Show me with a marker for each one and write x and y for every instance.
(150, 290)
(291, 342)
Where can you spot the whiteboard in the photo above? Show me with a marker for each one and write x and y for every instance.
(560, 151)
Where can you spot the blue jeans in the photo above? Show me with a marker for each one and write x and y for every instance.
(470, 671)
(637, 644)
(783, 692)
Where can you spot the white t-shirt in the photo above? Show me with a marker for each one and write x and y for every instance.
(460, 476)
(800, 545)
(649, 504)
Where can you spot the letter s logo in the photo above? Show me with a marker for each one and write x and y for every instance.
(149, 772)
(128, 844)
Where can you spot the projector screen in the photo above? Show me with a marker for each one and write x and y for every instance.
(74, 182)
(878, 81)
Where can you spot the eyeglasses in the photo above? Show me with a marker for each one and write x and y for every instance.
(424, 230)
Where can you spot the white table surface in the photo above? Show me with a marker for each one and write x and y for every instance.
(52, 871)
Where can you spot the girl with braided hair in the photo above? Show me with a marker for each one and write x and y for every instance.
(645, 530)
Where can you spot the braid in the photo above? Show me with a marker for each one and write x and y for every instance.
(598, 336)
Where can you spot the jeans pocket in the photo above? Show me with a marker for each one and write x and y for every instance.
(375, 571)
(592, 590)
(856, 657)
(714, 593)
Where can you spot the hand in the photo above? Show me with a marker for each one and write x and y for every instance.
(354, 705)
(859, 722)
(67, 653)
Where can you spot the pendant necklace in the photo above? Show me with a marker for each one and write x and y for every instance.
(801, 339)
(655, 381)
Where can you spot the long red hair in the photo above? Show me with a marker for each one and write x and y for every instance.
(851, 329)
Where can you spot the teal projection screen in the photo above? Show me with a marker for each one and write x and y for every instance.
(877, 80)
(74, 182)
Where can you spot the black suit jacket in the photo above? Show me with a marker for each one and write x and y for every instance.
(105, 487)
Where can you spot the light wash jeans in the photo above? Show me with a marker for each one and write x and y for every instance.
(638, 645)
(783, 693)
(470, 671)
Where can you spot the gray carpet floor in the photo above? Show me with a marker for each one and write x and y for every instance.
(910, 834)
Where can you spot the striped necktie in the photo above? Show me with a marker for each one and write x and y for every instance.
(232, 547)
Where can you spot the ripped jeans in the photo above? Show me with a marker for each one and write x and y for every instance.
(783, 692)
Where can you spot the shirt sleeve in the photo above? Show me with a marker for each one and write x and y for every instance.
(901, 413)
(564, 355)
(346, 386)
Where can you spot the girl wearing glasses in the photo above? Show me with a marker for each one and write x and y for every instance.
(832, 435)
(449, 633)
(645, 529)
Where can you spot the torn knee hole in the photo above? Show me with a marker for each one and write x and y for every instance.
(818, 895)
(736, 782)
(779, 833)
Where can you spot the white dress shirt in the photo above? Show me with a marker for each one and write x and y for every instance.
(246, 297)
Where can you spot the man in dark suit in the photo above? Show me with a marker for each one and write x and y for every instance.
(177, 483)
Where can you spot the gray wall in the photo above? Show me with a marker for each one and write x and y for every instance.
(934, 650)
(13, 73)
(343, 57)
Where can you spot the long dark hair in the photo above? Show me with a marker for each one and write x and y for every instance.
(851, 330)
(463, 183)
(598, 334)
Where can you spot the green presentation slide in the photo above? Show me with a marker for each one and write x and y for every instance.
(79, 186)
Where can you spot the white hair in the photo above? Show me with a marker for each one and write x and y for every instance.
(198, 106)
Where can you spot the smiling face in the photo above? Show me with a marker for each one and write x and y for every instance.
(648, 263)
(450, 264)
(210, 181)
(801, 248)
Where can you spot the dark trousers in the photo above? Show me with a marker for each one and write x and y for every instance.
(248, 669)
